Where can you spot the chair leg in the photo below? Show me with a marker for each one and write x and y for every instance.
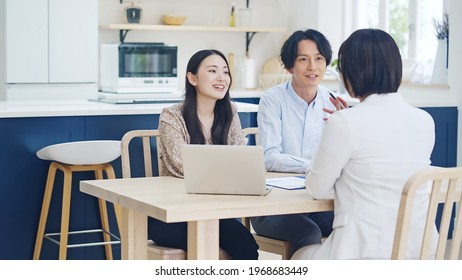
(65, 212)
(104, 220)
(44, 211)
(117, 208)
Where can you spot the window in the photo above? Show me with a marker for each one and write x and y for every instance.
(410, 23)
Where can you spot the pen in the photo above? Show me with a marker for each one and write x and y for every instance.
(335, 98)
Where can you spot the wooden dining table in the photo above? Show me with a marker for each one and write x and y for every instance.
(165, 198)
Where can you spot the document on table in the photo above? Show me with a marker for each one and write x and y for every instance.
(287, 183)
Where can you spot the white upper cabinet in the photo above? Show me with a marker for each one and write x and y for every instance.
(26, 36)
(51, 41)
(73, 41)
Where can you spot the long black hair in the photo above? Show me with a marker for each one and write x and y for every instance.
(223, 109)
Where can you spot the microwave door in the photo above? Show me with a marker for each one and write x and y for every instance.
(150, 62)
(143, 68)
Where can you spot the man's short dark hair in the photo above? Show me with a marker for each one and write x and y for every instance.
(289, 50)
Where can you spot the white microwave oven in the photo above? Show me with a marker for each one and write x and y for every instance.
(138, 68)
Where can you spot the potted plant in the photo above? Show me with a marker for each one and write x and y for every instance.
(441, 59)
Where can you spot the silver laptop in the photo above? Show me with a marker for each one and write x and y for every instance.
(224, 169)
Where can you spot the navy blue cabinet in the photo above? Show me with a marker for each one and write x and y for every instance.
(24, 176)
(445, 150)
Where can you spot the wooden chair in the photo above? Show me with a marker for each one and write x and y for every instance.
(155, 252)
(444, 189)
(266, 244)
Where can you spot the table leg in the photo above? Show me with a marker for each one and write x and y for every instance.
(134, 236)
(203, 241)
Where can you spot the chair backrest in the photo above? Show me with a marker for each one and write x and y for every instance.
(267, 244)
(445, 188)
(252, 131)
(155, 252)
(247, 132)
(146, 137)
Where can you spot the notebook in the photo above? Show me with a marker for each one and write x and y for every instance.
(224, 169)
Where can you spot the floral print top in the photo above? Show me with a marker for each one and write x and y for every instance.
(174, 134)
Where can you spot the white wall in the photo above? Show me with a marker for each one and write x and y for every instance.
(266, 13)
(455, 61)
(327, 17)
(2, 54)
(324, 16)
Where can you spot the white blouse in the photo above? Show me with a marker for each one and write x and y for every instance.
(366, 155)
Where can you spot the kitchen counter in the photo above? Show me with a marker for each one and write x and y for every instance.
(67, 108)
(416, 95)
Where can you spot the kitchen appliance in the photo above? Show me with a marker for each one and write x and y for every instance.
(138, 68)
(134, 13)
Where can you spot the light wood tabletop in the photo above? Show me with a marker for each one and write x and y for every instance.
(165, 198)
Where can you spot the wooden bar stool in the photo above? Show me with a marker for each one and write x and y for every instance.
(75, 157)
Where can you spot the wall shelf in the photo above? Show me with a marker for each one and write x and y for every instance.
(249, 31)
(189, 28)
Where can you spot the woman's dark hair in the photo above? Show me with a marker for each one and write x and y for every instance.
(370, 62)
(289, 50)
(223, 109)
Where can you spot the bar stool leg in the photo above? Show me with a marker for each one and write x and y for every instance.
(45, 208)
(67, 190)
(66, 202)
(104, 219)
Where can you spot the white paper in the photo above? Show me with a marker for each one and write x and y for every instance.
(287, 183)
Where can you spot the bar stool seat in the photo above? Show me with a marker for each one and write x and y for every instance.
(82, 152)
(75, 157)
